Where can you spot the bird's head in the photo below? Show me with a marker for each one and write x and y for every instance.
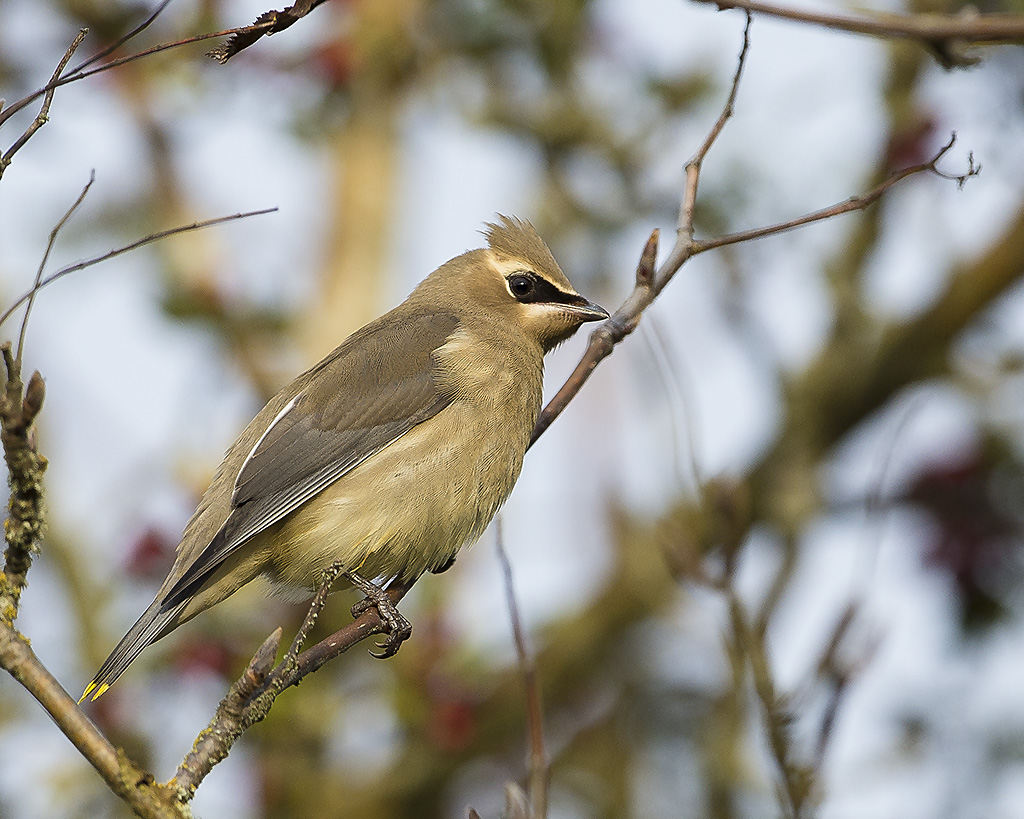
(517, 282)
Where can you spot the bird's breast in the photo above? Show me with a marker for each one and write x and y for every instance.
(410, 507)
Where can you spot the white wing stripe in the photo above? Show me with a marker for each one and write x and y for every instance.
(287, 407)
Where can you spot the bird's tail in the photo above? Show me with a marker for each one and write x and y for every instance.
(149, 628)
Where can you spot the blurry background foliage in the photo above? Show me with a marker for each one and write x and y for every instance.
(831, 419)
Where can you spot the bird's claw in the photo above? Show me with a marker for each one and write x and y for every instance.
(389, 647)
(397, 627)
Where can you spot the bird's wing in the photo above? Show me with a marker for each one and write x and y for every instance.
(372, 390)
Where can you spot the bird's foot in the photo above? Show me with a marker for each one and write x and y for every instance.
(398, 628)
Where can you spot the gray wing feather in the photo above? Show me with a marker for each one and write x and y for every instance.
(372, 390)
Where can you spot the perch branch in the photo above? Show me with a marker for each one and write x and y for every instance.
(251, 697)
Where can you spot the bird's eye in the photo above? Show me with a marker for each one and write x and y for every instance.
(522, 287)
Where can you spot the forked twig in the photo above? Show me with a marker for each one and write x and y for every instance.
(650, 281)
(120, 41)
(44, 109)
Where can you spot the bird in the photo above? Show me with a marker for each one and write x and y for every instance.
(389, 455)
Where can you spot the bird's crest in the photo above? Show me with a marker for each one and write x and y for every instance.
(518, 239)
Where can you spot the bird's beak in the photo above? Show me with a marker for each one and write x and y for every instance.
(585, 310)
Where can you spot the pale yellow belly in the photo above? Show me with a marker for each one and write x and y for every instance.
(407, 509)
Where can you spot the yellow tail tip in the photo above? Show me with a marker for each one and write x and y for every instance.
(100, 691)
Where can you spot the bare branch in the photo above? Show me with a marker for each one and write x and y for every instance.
(648, 284)
(538, 758)
(132, 784)
(366, 625)
(946, 35)
(146, 240)
(604, 339)
(44, 110)
(46, 257)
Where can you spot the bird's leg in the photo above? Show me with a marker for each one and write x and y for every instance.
(397, 627)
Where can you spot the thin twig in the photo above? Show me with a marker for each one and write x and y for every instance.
(315, 608)
(627, 317)
(46, 257)
(196, 38)
(12, 109)
(537, 783)
(153, 237)
(120, 41)
(44, 111)
(693, 167)
(860, 202)
(796, 780)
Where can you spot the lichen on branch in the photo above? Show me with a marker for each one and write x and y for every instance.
(19, 406)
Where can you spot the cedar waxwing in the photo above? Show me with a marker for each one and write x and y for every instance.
(391, 453)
